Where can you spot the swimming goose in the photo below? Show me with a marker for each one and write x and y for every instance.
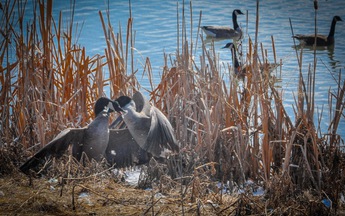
(150, 128)
(95, 140)
(225, 31)
(241, 70)
(322, 40)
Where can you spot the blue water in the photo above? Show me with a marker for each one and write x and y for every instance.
(155, 24)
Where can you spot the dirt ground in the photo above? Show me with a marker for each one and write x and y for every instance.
(99, 196)
(104, 196)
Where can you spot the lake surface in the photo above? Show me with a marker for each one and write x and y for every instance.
(155, 24)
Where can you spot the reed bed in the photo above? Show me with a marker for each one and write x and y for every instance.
(229, 131)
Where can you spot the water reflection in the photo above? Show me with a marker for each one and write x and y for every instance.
(332, 61)
(321, 50)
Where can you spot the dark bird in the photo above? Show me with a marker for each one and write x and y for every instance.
(96, 141)
(238, 70)
(241, 70)
(150, 128)
(321, 40)
(225, 31)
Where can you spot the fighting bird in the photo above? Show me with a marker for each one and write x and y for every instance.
(149, 127)
(225, 31)
(321, 40)
(96, 141)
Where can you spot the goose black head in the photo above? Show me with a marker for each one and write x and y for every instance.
(101, 104)
(120, 102)
(237, 12)
(337, 18)
(123, 100)
(228, 45)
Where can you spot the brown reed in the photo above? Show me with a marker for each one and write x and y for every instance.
(54, 83)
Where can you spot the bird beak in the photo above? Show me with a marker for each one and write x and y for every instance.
(115, 106)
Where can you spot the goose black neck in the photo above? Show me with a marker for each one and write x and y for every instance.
(234, 20)
(332, 30)
(234, 56)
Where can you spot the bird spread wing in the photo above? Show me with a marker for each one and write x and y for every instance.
(123, 151)
(141, 103)
(161, 135)
(56, 147)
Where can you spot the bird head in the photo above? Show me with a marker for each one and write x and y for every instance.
(102, 104)
(238, 12)
(119, 103)
(228, 45)
(337, 18)
(123, 100)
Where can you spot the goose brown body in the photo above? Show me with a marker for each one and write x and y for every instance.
(225, 31)
(321, 40)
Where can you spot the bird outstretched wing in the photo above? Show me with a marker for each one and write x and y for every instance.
(161, 138)
(55, 148)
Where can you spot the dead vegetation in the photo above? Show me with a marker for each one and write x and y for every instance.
(230, 131)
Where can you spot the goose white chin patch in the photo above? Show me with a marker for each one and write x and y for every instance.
(110, 106)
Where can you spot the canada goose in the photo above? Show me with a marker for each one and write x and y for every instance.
(241, 70)
(225, 31)
(322, 40)
(122, 149)
(95, 140)
(238, 70)
(83, 139)
(149, 127)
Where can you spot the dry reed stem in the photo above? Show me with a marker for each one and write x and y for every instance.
(52, 83)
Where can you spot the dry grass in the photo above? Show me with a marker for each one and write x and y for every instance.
(229, 131)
